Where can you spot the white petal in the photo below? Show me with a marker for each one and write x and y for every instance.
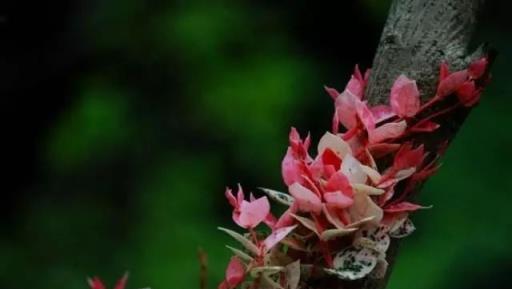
(352, 168)
(336, 233)
(373, 174)
(279, 197)
(335, 143)
(368, 190)
(375, 238)
(364, 207)
(380, 269)
(353, 263)
(404, 229)
(293, 274)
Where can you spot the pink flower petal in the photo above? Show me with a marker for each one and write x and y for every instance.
(332, 92)
(277, 236)
(451, 83)
(287, 218)
(382, 149)
(345, 108)
(425, 126)
(231, 198)
(339, 182)
(235, 272)
(240, 195)
(403, 207)
(365, 115)
(468, 94)
(444, 70)
(407, 157)
(307, 201)
(382, 113)
(477, 68)
(291, 168)
(253, 213)
(387, 131)
(338, 200)
(357, 83)
(405, 97)
(96, 283)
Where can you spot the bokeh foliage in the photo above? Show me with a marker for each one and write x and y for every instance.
(181, 98)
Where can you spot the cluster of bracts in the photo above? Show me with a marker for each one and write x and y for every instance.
(343, 205)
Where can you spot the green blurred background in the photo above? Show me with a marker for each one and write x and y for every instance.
(125, 120)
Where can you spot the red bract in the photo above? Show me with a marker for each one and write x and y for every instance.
(468, 94)
(402, 207)
(96, 283)
(405, 97)
(478, 67)
(235, 273)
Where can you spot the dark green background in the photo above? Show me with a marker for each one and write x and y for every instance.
(125, 120)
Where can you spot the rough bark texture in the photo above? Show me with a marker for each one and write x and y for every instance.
(417, 37)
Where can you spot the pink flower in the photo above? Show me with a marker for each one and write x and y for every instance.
(478, 68)
(248, 214)
(235, 273)
(468, 94)
(96, 283)
(307, 201)
(405, 97)
(292, 166)
(357, 83)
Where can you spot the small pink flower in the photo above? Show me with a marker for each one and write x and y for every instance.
(307, 201)
(235, 273)
(468, 94)
(292, 166)
(248, 214)
(357, 83)
(405, 97)
(451, 83)
(478, 67)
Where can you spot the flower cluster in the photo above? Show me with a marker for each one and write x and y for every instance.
(345, 203)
